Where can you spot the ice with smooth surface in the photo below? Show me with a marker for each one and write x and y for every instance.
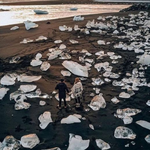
(127, 120)
(29, 25)
(148, 103)
(76, 68)
(97, 102)
(65, 73)
(3, 92)
(102, 144)
(10, 143)
(26, 78)
(78, 18)
(27, 88)
(124, 95)
(91, 126)
(144, 124)
(14, 28)
(73, 41)
(29, 141)
(35, 62)
(45, 66)
(8, 79)
(115, 100)
(45, 119)
(144, 59)
(25, 41)
(57, 41)
(124, 133)
(41, 38)
(101, 42)
(77, 143)
(42, 103)
(70, 119)
(147, 138)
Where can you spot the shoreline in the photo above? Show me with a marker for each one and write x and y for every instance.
(59, 2)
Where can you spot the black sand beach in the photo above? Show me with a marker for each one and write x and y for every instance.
(23, 122)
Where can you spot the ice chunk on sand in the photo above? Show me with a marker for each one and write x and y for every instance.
(35, 62)
(124, 95)
(26, 78)
(45, 66)
(42, 103)
(20, 104)
(78, 18)
(41, 38)
(144, 59)
(10, 143)
(76, 143)
(73, 41)
(62, 46)
(29, 25)
(45, 119)
(57, 41)
(97, 102)
(70, 119)
(144, 124)
(147, 23)
(147, 138)
(8, 79)
(115, 100)
(63, 28)
(27, 88)
(101, 42)
(102, 144)
(14, 59)
(14, 28)
(126, 113)
(3, 91)
(25, 41)
(38, 56)
(29, 141)
(91, 126)
(97, 81)
(124, 133)
(148, 103)
(65, 73)
(76, 68)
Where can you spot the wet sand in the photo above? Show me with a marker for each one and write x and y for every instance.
(22, 122)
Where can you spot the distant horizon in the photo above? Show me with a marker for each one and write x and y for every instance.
(128, 1)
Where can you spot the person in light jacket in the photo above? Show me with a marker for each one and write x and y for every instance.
(77, 90)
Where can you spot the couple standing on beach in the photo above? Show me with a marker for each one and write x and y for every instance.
(76, 91)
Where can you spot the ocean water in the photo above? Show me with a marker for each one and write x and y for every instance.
(19, 14)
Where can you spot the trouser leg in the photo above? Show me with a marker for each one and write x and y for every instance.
(59, 102)
(78, 99)
(65, 102)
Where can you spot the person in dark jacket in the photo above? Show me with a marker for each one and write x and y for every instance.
(62, 89)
